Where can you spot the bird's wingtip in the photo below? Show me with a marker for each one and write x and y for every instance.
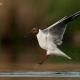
(69, 58)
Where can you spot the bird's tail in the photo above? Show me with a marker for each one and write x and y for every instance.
(72, 17)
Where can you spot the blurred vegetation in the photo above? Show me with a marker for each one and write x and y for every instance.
(18, 17)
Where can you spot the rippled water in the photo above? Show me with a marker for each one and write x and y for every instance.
(40, 74)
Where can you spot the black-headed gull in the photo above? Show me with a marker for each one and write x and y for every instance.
(52, 36)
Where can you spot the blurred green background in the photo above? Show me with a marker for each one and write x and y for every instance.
(18, 17)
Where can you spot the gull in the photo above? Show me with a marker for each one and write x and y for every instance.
(52, 36)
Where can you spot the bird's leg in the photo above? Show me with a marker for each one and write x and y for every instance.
(44, 59)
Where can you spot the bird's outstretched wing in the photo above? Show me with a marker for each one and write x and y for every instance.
(57, 29)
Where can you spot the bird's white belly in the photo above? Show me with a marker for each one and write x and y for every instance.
(42, 44)
(42, 40)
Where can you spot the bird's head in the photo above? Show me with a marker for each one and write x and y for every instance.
(35, 30)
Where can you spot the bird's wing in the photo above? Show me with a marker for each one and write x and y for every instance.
(57, 29)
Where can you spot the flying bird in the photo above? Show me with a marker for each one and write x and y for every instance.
(52, 36)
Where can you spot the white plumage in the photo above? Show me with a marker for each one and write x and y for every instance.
(46, 42)
(52, 36)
